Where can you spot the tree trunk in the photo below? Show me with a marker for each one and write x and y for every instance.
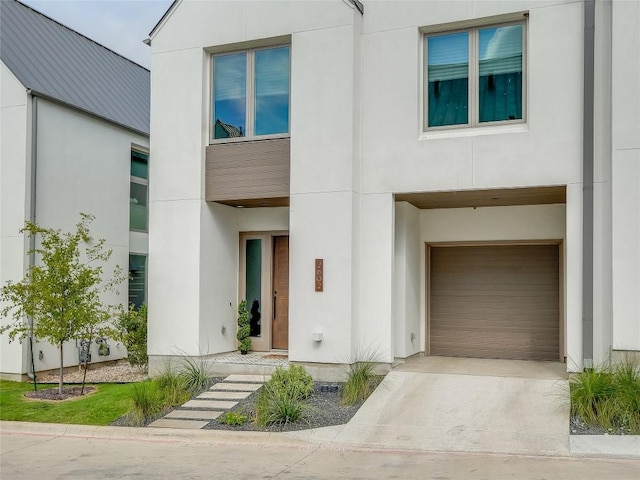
(61, 370)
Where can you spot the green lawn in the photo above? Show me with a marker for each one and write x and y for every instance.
(108, 403)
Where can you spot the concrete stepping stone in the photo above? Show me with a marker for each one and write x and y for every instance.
(223, 395)
(242, 387)
(248, 378)
(212, 404)
(194, 414)
(184, 424)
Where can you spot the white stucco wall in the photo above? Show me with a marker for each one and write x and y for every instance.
(14, 124)
(83, 165)
(357, 139)
(626, 174)
(545, 150)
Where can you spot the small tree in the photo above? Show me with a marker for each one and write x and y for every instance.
(62, 293)
(132, 325)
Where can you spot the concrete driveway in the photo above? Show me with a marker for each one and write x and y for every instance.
(471, 405)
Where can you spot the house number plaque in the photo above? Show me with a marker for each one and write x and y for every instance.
(319, 274)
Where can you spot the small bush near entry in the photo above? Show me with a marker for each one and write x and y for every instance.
(293, 378)
(281, 399)
(361, 382)
(132, 326)
(233, 418)
(608, 397)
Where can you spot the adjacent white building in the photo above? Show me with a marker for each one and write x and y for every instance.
(74, 137)
(408, 178)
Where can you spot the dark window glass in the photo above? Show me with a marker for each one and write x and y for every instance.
(500, 70)
(137, 279)
(230, 95)
(271, 91)
(139, 164)
(253, 286)
(448, 79)
(138, 207)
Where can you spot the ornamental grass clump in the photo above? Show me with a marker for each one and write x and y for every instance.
(361, 382)
(146, 403)
(282, 399)
(608, 397)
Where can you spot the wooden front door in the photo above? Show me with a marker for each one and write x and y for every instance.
(280, 327)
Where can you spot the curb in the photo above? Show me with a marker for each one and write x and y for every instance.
(609, 446)
(585, 446)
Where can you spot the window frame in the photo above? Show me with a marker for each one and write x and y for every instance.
(250, 96)
(140, 181)
(473, 90)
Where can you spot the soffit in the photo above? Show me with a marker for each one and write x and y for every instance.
(485, 198)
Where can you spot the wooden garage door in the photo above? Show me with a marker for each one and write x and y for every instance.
(495, 301)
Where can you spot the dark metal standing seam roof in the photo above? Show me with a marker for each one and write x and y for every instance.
(55, 61)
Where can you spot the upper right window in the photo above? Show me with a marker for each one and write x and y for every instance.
(475, 76)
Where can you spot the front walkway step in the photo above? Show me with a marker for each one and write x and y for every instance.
(223, 395)
(185, 424)
(211, 404)
(241, 387)
(248, 378)
(194, 414)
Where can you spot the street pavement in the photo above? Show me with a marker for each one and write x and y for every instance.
(41, 451)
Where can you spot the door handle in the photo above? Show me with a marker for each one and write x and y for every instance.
(275, 294)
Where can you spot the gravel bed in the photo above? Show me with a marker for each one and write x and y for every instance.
(578, 427)
(120, 372)
(325, 409)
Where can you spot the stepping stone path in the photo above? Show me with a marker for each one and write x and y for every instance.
(209, 405)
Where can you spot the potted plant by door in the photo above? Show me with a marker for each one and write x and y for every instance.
(244, 330)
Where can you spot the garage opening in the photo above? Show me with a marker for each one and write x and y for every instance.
(494, 301)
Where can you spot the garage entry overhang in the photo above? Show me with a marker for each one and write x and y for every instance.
(497, 197)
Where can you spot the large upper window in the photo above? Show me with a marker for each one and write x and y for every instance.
(474, 76)
(251, 93)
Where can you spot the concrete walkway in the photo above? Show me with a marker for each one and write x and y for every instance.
(471, 405)
(221, 397)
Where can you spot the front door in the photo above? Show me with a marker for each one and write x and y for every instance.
(280, 324)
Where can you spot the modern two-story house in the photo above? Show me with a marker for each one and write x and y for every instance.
(74, 137)
(425, 177)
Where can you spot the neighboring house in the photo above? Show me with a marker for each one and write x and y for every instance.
(74, 138)
(407, 178)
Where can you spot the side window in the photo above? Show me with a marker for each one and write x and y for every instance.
(137, 279)
(475, 76)
(138, 191)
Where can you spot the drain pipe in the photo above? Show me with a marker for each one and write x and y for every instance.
(32, 216)
(587, 184)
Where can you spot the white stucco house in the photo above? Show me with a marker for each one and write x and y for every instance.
(74, 137)
(415, 178)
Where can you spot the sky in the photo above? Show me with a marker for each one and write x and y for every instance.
(120, 25)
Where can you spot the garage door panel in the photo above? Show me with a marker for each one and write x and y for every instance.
(495, 301)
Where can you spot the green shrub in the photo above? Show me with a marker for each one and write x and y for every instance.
(608, 397)
(279, 406)
(132, 326)
(233, 418)
(146, 402)
(282, 399)
(295, 379)
(361, 382)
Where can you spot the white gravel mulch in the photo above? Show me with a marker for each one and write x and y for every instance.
(111, 373)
